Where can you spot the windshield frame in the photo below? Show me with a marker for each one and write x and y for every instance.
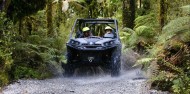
(93, 22)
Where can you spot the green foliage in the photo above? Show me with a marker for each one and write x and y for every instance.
(146, 20)
(29, 55)
(170, 52)
(178, 25)
(18, 9)
(29, 59)
(186, 10)
(32, 53)
(27, 51)
(125, 35)
(6, 28)
(145, 31)
(181, 85)
(143, 61)
(4, 79)
(133, 40)
(26, 72)
(177, 29)
(174, 78)
(142, 34)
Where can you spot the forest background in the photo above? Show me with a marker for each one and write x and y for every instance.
(33, 34)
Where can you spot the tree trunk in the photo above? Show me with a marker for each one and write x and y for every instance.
(20, 27)
(59, 15)
(162, 14)
(50, 32)
(139, 4)
(128, 13)
(1, 5)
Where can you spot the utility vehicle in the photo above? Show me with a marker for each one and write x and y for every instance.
(95, 50)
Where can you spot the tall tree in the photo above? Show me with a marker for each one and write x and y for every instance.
(59, 14)
(49, 15)
(128, 13)
(162, 13)
(17, 9)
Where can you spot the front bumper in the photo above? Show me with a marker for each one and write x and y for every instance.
(90, 56)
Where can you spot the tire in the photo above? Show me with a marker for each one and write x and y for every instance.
(69, 70)
(69, 67)
(115, 64)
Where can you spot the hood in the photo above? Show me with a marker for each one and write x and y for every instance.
(94, 40)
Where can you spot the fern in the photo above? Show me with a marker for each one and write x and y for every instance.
(124, 36)
(145, 31)
(146, 20)
(6, 46)
(144, 61)
(180, 71)
(178, 25)
(186, 9)
(133, 39)
(164, 74)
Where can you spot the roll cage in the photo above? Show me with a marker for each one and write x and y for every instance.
(93, 24)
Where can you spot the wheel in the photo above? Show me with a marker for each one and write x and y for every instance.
(115, 67)
(69, 70)
(69, 67)
(115, 64)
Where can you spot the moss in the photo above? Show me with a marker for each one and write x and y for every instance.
(4, 79)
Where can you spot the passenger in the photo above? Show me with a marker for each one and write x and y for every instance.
(86, 32)
(109, 33)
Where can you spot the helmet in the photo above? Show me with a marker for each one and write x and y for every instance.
(85, 29)
(108, 28)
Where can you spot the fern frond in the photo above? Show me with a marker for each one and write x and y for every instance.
(133, 39)
(144, 61)
(146, 20)
(145, 31)
(178, 25)
(186, 9)
(173, 67)
(162, 76)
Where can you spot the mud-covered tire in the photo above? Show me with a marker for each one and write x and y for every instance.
(115, 63)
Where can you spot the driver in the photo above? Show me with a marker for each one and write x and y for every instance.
(109, 32)
(86, 32)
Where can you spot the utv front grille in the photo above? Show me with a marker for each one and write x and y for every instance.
(91, 46)
(85, 44)
(90, 56)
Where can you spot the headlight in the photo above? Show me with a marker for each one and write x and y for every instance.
(109, 43)
(72, 42)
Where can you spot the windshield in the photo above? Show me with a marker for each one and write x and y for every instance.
(99, 28)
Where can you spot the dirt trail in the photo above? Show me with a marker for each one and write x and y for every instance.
(127, 83)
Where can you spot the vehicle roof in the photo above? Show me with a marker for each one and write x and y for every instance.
(106, 21)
